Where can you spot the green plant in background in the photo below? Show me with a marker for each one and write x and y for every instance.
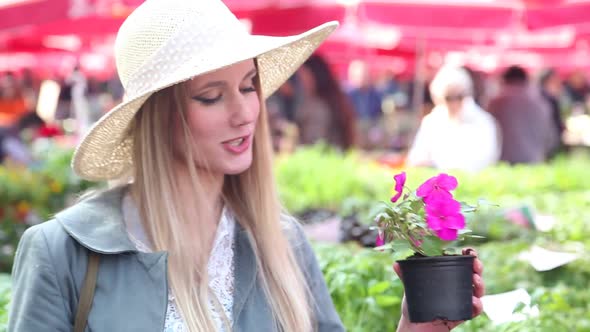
(366, 292)
(322, 178)
(30, 196)
(4, 299)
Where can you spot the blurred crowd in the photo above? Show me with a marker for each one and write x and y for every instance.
(455, 118)
(450, 118)
(33, 107)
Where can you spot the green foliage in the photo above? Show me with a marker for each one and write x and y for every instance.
(367, 294)
(30, 196)
(318, 177)
(364, 288)
(560, 188)
(4, 298)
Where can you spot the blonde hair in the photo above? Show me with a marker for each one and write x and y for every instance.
(168, 217)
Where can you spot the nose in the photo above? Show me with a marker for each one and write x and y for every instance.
(244, 110)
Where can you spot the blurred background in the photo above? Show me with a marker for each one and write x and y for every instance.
(495, 91)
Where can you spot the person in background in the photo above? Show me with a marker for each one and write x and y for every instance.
(325, 112)
(524, 118)
(13, 104)
(457, 134)
(365, 97)
(15, 142)
(551, 89)
(577, 88)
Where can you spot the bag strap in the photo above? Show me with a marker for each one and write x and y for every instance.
(87, 292)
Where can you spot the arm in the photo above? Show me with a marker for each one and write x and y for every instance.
(37, 301)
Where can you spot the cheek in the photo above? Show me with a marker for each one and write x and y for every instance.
(254, 106)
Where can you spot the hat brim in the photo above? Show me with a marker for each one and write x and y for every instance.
(105, 153)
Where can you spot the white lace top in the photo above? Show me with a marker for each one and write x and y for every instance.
(220, 267)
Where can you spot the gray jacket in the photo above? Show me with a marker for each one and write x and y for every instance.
(132, 287)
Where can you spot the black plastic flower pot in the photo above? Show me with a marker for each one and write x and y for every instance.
(438, 287)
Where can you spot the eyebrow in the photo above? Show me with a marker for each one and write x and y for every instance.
(215, 84)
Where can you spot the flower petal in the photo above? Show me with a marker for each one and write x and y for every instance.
(396, 197)
(442, 204)
(437, 195)
(447, 234)
(379, 241)
(456, 221)
(434, 222)
(447, 182)
(400, 181)
(426, 188)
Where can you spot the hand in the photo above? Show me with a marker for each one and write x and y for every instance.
(443, 326)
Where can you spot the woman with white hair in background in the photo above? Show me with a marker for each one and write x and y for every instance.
(458, 133)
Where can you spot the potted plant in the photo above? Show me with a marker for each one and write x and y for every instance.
(426, 224)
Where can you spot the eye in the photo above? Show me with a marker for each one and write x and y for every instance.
(208, 101)
(248, 89)
(252, 87)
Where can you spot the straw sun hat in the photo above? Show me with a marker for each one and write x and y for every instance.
(165, 42)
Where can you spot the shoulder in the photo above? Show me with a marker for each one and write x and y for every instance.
(48, 244)
(481, 116)
(49, 236)
(293, 230)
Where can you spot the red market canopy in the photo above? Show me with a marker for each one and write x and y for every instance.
(419, 14)
(18, 14)
(370, 28)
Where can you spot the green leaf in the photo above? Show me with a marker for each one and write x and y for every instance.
(432, 246)
(387, 300)
(400, 246)
(378, 288)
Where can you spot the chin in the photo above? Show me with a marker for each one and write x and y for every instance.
(238, 167)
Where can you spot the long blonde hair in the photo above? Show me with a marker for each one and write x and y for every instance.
(252, 195)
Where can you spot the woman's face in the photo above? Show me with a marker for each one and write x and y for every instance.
(453, 99)
(222, 111)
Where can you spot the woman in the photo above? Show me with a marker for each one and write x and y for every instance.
(457, 134)
(192, 237)
(325, 112)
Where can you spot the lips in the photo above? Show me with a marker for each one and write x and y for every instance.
(237, 145)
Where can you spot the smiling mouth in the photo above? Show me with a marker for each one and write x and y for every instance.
(236, 142)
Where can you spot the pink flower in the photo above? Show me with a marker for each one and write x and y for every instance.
(437, 187)
(443, 215)
(400, 181)
(447, 234)
(379, 241)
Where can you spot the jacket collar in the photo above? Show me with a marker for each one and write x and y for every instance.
(97, 223)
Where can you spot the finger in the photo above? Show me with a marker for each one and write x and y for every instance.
(477, 306)
(449, 325)
(469, 251)
(479, 287)
(477, 266)
(397, 270)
